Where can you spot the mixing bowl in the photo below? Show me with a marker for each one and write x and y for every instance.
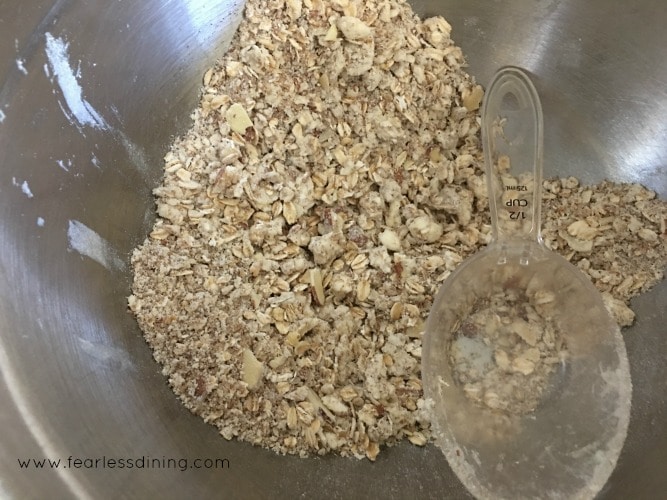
(92, 93)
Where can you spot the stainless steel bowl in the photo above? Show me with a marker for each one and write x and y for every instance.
(86, 114)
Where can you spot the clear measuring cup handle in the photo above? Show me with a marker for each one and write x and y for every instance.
(512, 137)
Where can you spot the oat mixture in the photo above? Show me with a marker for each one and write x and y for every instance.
(331, 181)
(505, 350)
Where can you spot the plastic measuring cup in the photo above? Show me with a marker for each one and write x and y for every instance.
(568, 444)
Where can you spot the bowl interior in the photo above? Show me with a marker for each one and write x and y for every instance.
(91, 95)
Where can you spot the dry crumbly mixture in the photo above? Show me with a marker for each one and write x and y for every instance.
(331, 181)
(505, 350)
(615, 233)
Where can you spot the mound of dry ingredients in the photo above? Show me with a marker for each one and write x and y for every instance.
(330, 182)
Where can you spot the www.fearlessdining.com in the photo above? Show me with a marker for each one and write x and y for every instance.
(143, 462)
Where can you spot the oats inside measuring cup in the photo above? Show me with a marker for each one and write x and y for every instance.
(505, 350)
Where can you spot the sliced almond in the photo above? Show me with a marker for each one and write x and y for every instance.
(252, 369)
(238, 118)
